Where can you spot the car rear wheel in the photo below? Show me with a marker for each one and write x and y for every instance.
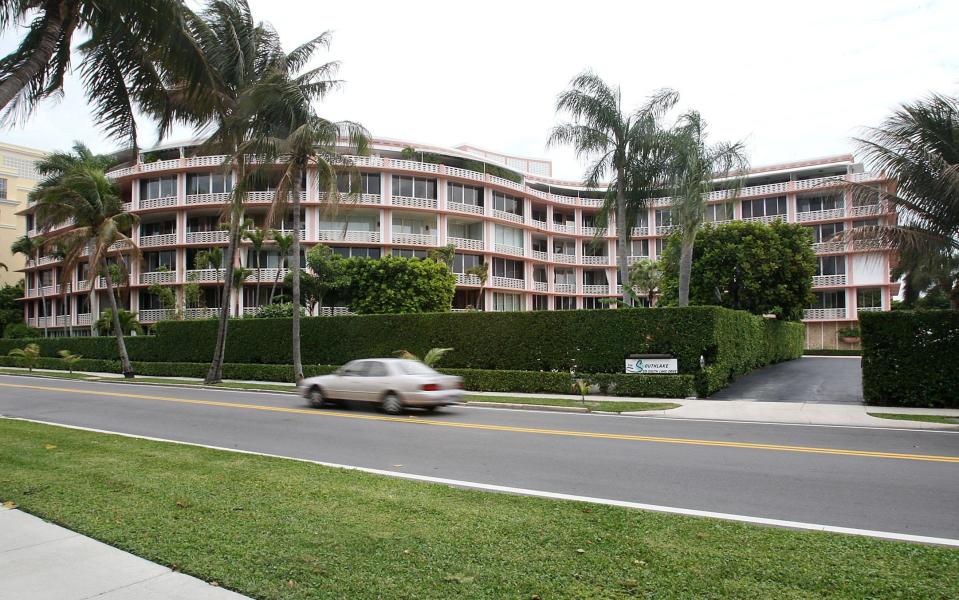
(317, 398)
(391, 404)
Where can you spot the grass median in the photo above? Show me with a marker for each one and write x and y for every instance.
(914, 417)
(605, 406)
(275, 528)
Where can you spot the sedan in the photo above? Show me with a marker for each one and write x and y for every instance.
(393, 383)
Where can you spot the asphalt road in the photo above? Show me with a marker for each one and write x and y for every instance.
(898, 481)
(816, 380)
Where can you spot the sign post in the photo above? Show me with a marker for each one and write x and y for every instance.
(646, 364)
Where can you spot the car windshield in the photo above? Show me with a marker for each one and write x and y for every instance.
(412, 367)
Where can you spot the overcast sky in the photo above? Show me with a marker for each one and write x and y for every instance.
(794, 80)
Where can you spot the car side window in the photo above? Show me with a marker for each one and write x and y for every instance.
(356, 369)
(377, 369)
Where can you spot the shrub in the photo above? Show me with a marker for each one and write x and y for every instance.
(279, 310)
(910, 358)
(398, 285)
(15, 331)
(26, 356)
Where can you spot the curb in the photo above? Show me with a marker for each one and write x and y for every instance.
(543, 407)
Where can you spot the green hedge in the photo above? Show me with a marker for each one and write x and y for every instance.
(588, 341)
(911, 358)
(831, 352)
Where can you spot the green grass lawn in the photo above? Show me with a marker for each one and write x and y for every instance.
(926, 418)
(274, 528)
(613, 406)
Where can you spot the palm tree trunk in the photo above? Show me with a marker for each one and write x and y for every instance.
(295, 334)
(685, 268)
(43, 298)
(215, 373)
(57, 26)
(259, 250)
(117, 329)
(276, 280)
(622, 237)
(92, 280)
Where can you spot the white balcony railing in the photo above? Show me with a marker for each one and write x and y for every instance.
(635, 259)
(205, 275)
(540, 286)
(202, 313)
(466, 279)
(564, 288)
(163, 239)
(539, 255)
(594, 231)
(869, 246)
(828, 280)
(538, 224)
(218, 236)
(219, 198)
(151, 277)
(466, 243)
(126, 207)
(596, 289)
(767, 219)
(334, 311)
(464, 208)
(266, 275)
(415, 239)
(83, 319)
(509, 282)
(158, 202)
(564, 228)
(507, 216)
(866, 210)
(665, 229)
(152, 315)
(827, 247)
(824, 314)
(507, 249)
(261, 196)
(869, 309)
(639, 231)
(564, 258)
(414, 202)
(595, 260)
(338, 235)
(821, 215)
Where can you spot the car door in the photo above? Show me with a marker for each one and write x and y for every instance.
(348, 381)
(374, 382)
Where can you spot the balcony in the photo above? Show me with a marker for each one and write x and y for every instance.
(768, 219)
(596, 289)
(564, 288)
(152, 315)
(507, 216)
(162, 202)
(595, 260)
(355, 199)
(464, 208)
(83, 319)
(509, 282)
(538, 224)
(46, 260)
(507, 249)
(824, 314)
(151, 277)
(263, 196)
(866, 210)
(869, 246)
(466, 279)
(630, 260)
(829, 247)
(266, 275)
(564, 258)
(639, 232)
(338, 235)
(594, 202)
(828, 280)
(820, 215)
(594, 231)
(126, 207)
(414, 202)
(540, 286)
(863, 309)
(665, 229)
(564, 227)
(466, 243)
(334, 311)
(415, 239)
(205, 275)
(218, 236)
(539, 255)
(201, 313)
(163, 239)
(220, 198)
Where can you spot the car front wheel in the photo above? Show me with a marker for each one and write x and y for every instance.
(317, 399)
(391, 404)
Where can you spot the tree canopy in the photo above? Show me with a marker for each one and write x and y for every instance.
(398, 285)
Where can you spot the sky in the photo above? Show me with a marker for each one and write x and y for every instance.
(792, 80)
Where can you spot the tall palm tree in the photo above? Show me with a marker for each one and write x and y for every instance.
(624, 150)
(695, 165)
(481, 271)
(256, 237)
(239, 278)
(644, 278)
(30, 248)
(85, 195)
(131, 49)
(284, 245)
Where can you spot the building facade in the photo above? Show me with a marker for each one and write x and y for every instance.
(18, 176)
(540, 236)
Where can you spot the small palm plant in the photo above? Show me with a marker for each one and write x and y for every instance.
(29, 355)
(432, 357)
(581, 387)
(69, 359)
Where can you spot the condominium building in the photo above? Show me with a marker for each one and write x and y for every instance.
(18, 176)
(540, 236)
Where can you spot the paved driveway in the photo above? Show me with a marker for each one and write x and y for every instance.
(819, 380)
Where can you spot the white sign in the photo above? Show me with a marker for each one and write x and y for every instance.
(652, 365)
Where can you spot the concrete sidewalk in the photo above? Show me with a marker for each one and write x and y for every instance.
(40, 560)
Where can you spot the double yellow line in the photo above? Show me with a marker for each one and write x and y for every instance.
(506, 428)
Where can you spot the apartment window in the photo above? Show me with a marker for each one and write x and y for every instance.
(718, 212)
(3, 188)
(563, 218)
(349, 252)
(469, 231)
(149, 301)
(819, 202)
(866, 223)
(664, 217)
(46, 278)
(157, 228)
(414, 187)
(594, 278)
(638, 248)
(464, 262)
(504, 267)
(350, 223)
(409, 253)
(592, 303)
(157, 187)
(564, 247)
(196, 224)
(508, 236)
(464, 194)
(286, 224)
(507, 302)
(564, 276)
(539, 275)
(865, 198)
(208, 183)
(507, 203)
(83, 269)
(764, 207)
(869, 298)
(358, 183)
(641, 219)
(538, 214)
(413, 226)
(565, 302)
(152, 261)
(830, 265)
(660, 245)
(540, 302)
(589, 220)
(833, 299)
(191, 256)
(83, 304)
(824, 231)
(591, 248)
(540, 245)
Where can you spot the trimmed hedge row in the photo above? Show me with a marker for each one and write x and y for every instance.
(170, 369)
(911, 358)
(730, 342)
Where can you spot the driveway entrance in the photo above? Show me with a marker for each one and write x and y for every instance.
(819, 380)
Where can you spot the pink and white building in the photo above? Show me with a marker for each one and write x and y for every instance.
(540, 235)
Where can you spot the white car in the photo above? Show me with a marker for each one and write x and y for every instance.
(393, 383)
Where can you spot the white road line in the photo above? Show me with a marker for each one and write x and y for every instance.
(887, 535)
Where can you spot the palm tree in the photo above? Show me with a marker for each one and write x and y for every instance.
(256, 237)
(30, 248)
(239, 278)
(85, 196)
(127, 320)
(481, 271)
(625, 151)
(212, 259)
(694, 167)
(644, 277)
(284, 245)
(132, 48)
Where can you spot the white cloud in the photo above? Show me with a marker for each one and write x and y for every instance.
(794, 80)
